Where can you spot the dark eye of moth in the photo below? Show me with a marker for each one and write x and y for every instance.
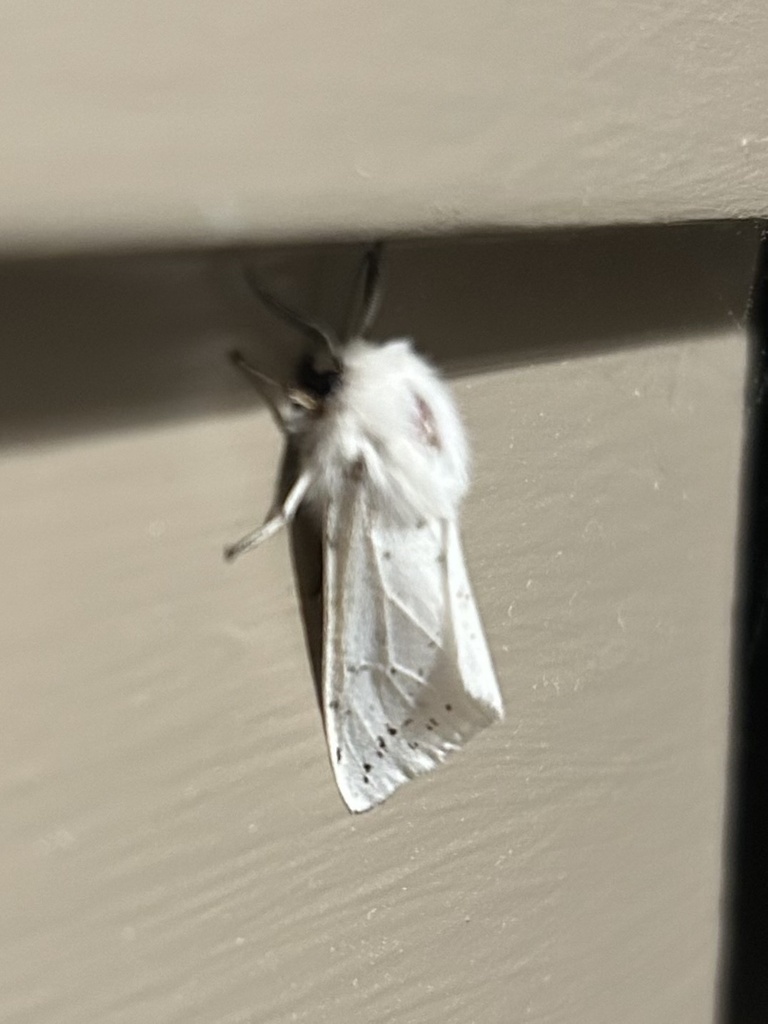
(317, 382)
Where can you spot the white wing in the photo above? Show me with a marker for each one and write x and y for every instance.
(474, 659)
(407, 676)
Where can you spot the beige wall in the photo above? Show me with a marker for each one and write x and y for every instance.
(174, 848)
(197, 121)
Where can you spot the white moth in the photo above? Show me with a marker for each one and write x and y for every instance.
(382, 459)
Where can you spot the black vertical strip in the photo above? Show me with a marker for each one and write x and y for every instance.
(745, 952)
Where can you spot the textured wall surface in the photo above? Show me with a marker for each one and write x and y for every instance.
(201, 121)
(174, 849)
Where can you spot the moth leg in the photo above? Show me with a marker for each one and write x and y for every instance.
(275, 522)
(269, 389)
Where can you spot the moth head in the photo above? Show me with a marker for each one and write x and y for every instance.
(318, 377)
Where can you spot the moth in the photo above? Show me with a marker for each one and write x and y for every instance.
(381, 459)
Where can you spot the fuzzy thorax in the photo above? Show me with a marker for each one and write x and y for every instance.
(391, 423)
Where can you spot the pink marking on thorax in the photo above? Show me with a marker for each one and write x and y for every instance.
(426, 424)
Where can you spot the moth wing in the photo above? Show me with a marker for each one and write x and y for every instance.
(407, 677)
(474, 658)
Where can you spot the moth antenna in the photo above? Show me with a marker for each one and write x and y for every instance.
(308, 328)
(372, 292)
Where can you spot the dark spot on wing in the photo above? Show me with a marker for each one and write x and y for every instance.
(392, 670)
(320, 383)
(449, 707)
(432, 645)
(391, 730)
(420, 672)
(434, 721)
(366, 780)
(367, 768)
(356, 470)
(430, 727)
(414, 745)
(334, 705)
(380, 741)
(352, 669)
(379, 753)
(408, 721)
(338, 754)
(387, 555)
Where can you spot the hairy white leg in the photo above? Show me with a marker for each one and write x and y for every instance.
(282, 517)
